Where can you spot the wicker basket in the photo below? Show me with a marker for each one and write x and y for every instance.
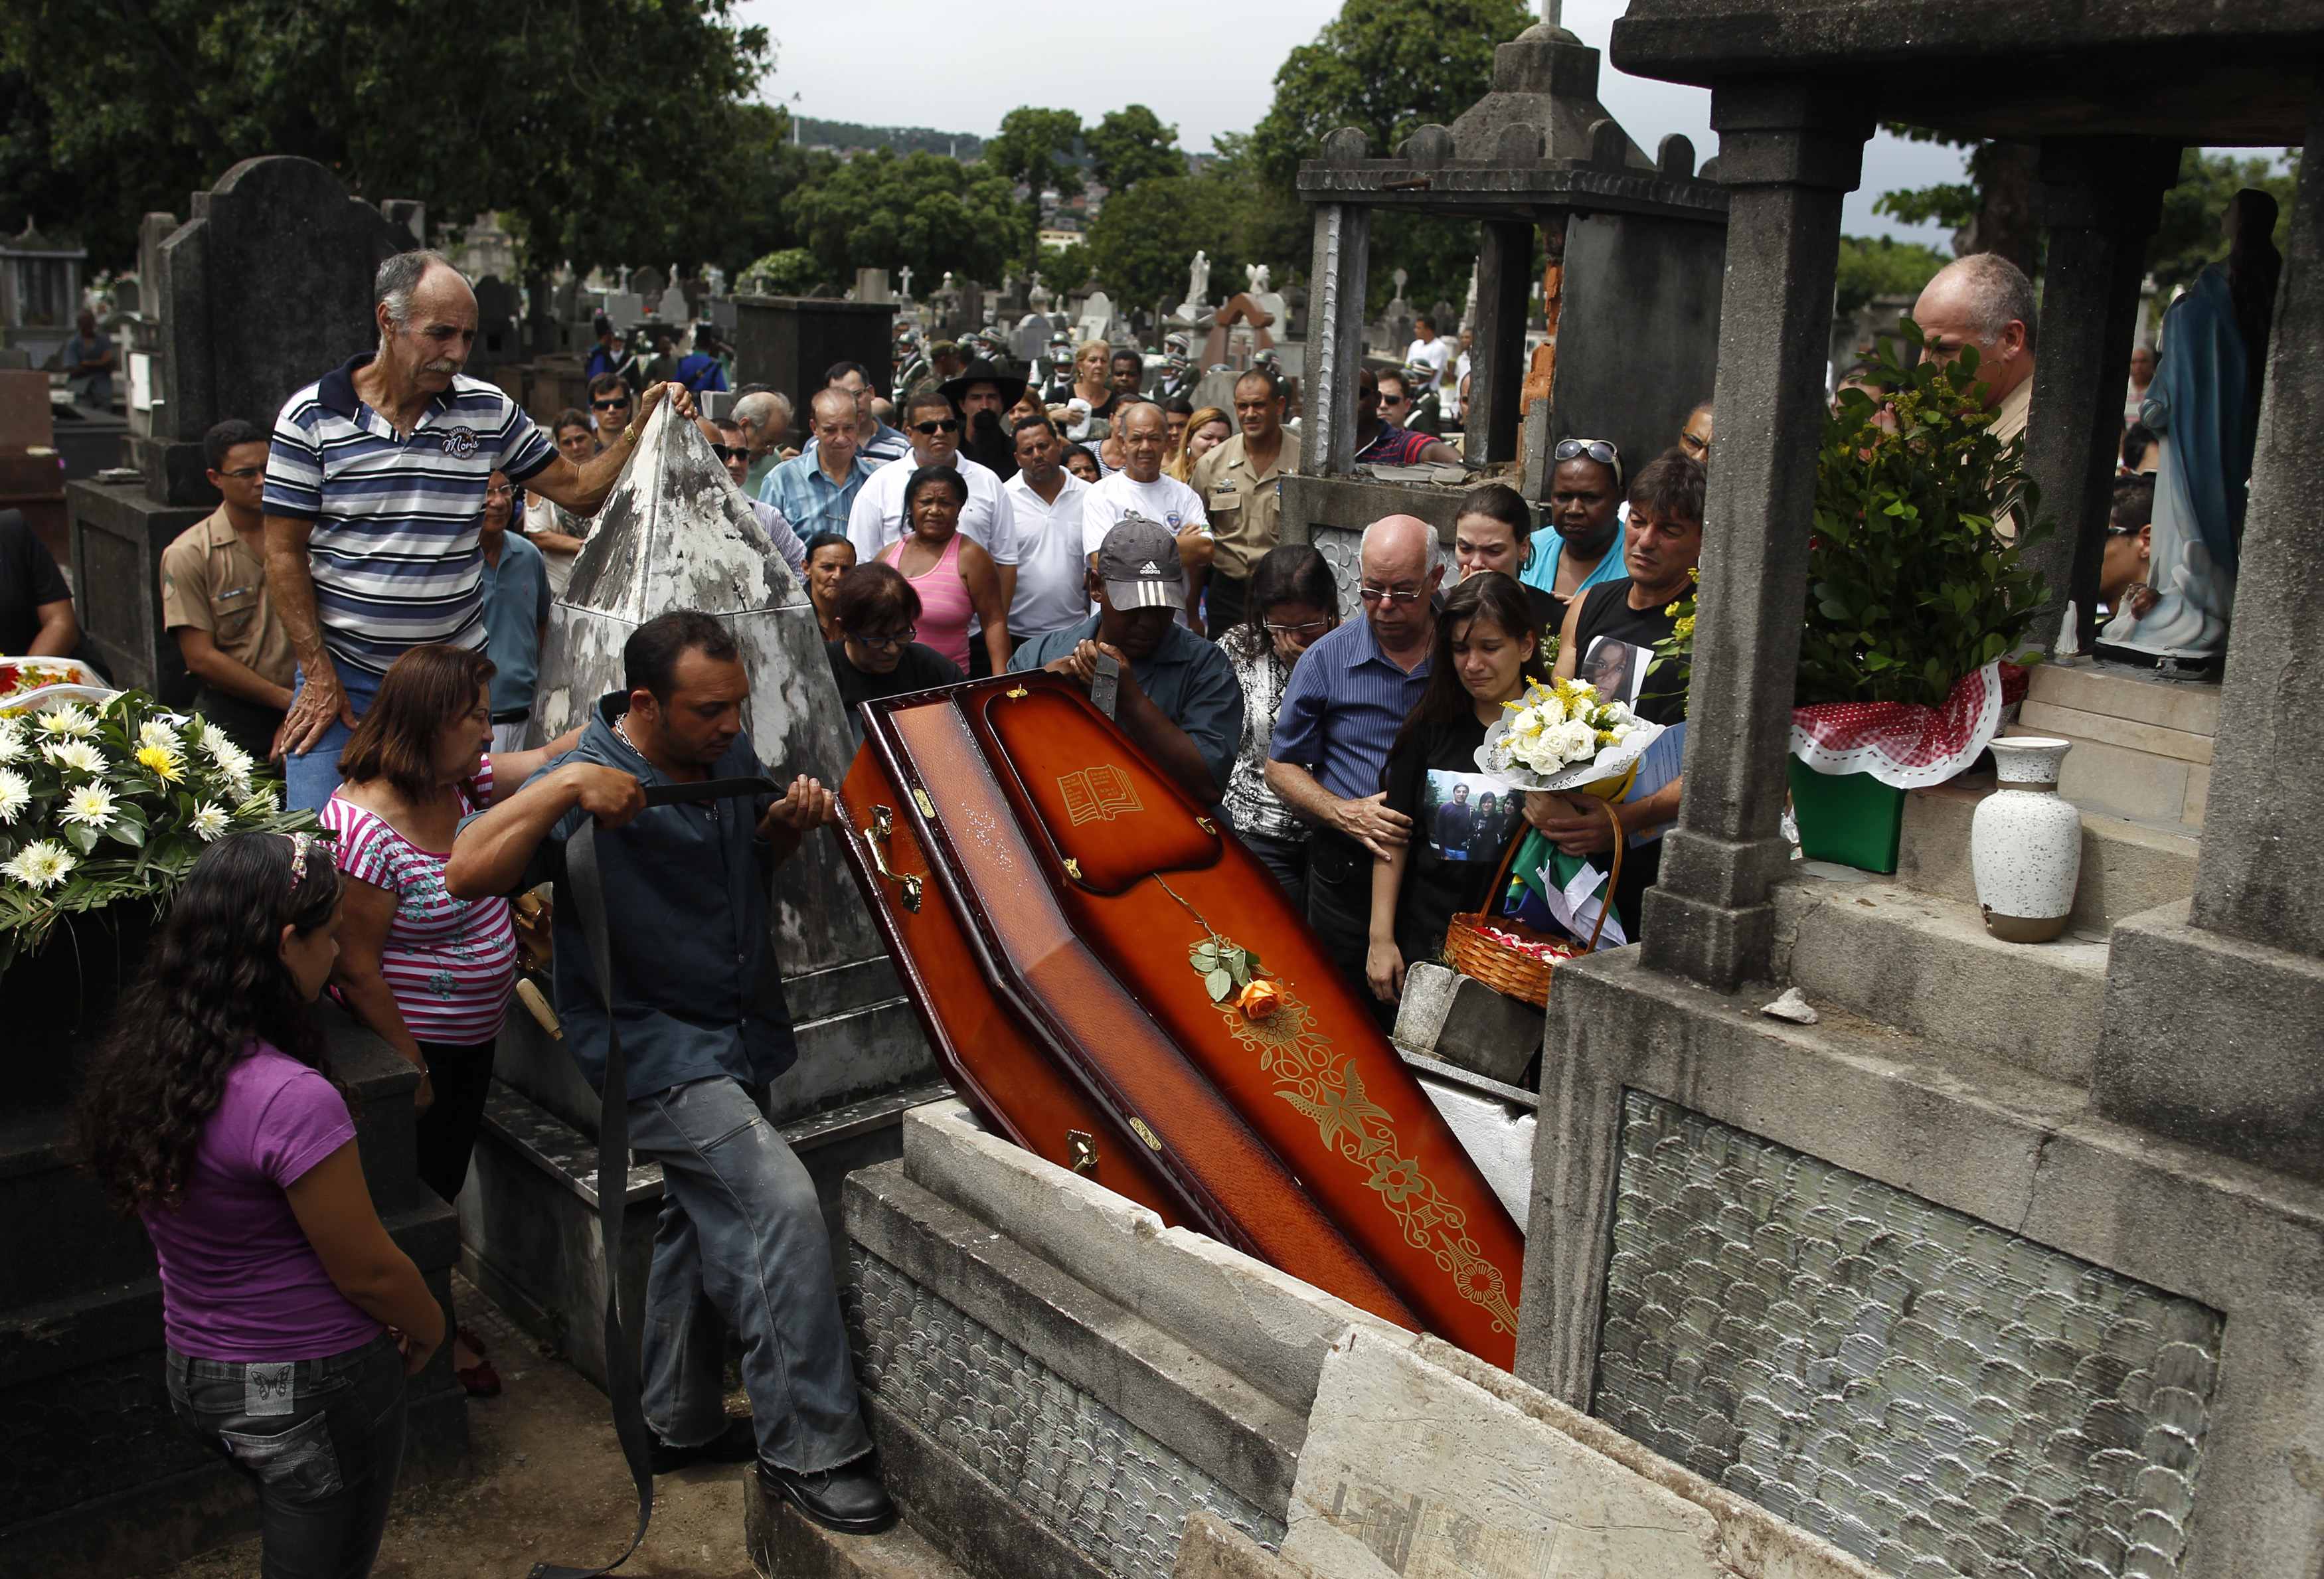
(1475, 951)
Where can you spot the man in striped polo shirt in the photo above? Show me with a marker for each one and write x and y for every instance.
(375, 481)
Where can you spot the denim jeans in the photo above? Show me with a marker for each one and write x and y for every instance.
(742, 1237)
(308, 781)
(321, 1439)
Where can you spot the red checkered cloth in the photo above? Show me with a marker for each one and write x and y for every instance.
(1904, 744)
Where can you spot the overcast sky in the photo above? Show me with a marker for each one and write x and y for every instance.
(1205, 68)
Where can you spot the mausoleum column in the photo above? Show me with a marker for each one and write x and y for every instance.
(1335, 322)
(2213, 1021)
(1497, 368)
(2100, 199)
(1788, 151)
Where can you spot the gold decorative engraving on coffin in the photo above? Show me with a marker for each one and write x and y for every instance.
(1329, 1090)
(927, 807)
(1153, 1140)
(1014, 692)
(1081, 1149)
(1206, 825)
(1073, 869)
(1098, 794)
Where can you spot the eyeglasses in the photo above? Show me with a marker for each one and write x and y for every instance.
(1389, 400)
(1370, 593)
(894, 641)
(610, 405)
(505, 492)
(727, 452)
(2112, 530)
(1596, 449)
(244, 474)
(942, 425)
(1274, 629)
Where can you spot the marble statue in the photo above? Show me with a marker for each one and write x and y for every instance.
(1260, 278)
(2203, 407)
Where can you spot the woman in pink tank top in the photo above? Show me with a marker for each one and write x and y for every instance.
(955, 577)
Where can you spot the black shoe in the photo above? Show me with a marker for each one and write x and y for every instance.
(737, 1443)
(849, 1499)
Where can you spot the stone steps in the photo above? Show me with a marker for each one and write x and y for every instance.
(2142, 745)
(1926, 965)
(776, 1533)
(2126, 866)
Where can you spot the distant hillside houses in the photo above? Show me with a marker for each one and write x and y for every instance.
(845, 137)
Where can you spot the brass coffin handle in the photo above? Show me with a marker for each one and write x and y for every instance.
(882, 828)
(1081, 1146)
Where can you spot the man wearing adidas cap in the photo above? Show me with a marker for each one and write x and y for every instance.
(1179, 698)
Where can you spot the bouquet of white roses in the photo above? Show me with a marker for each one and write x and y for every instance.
(114, 799)
(1562, 736)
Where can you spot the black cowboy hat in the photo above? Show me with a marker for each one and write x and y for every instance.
(1011, 384)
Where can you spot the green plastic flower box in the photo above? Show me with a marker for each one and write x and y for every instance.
(1850, 818)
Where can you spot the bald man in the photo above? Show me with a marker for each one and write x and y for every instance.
(1984, 300)
(1347, 699)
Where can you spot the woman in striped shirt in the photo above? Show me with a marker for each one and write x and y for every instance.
(430, 974)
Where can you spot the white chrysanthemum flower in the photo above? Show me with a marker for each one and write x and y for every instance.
(68, 723)
(76, 756)
(1573, 740)
(16, 794)
(13, 747)
(42, 864)
(89, 805)
(156, 733)
(210, 821)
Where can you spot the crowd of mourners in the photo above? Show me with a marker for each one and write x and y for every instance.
(370, 603)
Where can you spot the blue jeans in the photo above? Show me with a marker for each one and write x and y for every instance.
(742, 1237)
(321, 1439)
(310, 780)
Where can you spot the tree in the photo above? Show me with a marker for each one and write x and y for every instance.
(878, 211)
(1991, 212)
(1870, 267)
(1142, 240)
(1387, 68)
(602, 133)
(1034, 148)
(1131, 144)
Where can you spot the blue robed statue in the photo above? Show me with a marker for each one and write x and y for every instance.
(2203, 406)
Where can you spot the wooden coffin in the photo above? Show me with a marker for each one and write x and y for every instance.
(1043, 887)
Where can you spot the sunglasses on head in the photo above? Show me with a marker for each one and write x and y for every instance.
(1596, 449)
(941, 425)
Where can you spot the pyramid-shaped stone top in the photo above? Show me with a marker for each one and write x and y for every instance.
(676, 532)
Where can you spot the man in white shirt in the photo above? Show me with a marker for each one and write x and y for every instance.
(988, 520)
(1052, 580)
(1431, 351)
(1139, 488)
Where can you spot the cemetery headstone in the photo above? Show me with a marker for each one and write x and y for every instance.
(646, 282)
(1097, 317)
(408, 215)
(871, 285)
(624, 308)
(670, 305)
(497, 304)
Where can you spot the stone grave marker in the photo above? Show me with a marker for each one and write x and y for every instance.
(626, 308)
(1097, 317)
(497, 304)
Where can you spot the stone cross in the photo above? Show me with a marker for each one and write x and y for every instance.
(905, 274)
(1399, 277)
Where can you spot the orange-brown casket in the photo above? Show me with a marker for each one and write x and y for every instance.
(1114, 982)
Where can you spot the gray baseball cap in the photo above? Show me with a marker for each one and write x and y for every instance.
(1139, 563)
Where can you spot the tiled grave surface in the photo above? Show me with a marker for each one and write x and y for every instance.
(1933, 1395)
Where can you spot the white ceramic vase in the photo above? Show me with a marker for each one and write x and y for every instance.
(2025, 843)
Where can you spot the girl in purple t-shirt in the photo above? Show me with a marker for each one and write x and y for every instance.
(292, 1319)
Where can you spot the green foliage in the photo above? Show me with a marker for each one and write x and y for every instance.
(2187, 236)
(1140, 243)
(1909, 586)
(600, 132)
(792, 270)
(1387, 68)
(1951, 204)
(1131, 144)
(1037, 148)
(1065, 267)
(880, 211)
(1879, 266)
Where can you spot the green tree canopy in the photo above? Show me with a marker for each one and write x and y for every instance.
(1879, 266)
(1131, 144)
(1142, 240)
(1037, 147)
(602, 133)
(878, 211)
(1387, 68)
